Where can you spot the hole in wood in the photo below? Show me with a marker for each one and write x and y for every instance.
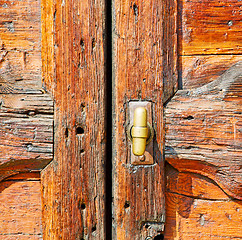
(83, 206)
(82, 151)
(79, 130)
(82, 45)
(189, 118)
(230, 23)
(135, 8)
(66, 132)
(93, 43)
(94, 228)
(82, 107)
(159, 237)
(127, 204)
(29, 147)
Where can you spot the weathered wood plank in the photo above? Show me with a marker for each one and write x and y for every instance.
(20, 25)
(197, 71)
(210, 27)
(193, 185)
(203, 131)
(144, 57)
(21, 68)
(191, 218)
(26, 110)
(73, 185)
(26, 133)
(47, 46)
(20, 209)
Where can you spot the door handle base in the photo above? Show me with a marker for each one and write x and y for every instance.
(147, 158)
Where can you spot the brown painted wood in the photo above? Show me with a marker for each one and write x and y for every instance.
(73, 184)
(197, 207)
(144, 58)
(210, 27)
(202, 131)
(72, 56)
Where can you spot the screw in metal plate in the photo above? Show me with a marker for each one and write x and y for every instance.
(142, 158)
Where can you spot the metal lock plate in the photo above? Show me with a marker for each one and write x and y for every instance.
(147, 158)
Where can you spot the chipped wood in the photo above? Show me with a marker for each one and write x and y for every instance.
(202, 131)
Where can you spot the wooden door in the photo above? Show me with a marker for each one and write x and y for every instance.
(69, 70)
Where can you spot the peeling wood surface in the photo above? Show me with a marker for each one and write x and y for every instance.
(20, 211)
(203, 131)
(198, 197)
(210, 27)
(73, 184)
(209, 39)
(144, 58)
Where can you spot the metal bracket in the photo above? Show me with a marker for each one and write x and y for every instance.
(147, 158)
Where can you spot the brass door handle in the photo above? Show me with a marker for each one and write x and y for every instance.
(140, 133)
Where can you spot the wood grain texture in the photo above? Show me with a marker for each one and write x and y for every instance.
(203, 131)
(210, 27)
(26, 120)
(73, 184)
(144, 58)
(192, 185)
(26, 110)
(197, 207)
(47, 45)
(191, 218)
(197, 71)
(20, 209)
(20, 25)
(26, 138)
(21, 69)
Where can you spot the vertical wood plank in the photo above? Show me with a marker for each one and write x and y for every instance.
(73, 185)
(144, 68)
(47, 44)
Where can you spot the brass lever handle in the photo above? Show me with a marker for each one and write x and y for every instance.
(140, 133)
